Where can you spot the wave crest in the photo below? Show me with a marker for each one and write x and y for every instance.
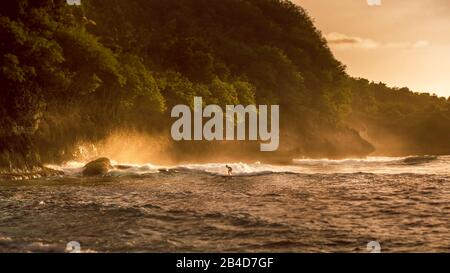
(411, 164)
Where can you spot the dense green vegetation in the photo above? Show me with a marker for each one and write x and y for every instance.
(75, 73)
(399, 121)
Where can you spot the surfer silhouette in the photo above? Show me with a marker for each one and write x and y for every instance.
(230, 170)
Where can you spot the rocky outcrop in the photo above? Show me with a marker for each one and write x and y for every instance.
(29, 173)
(98, 167)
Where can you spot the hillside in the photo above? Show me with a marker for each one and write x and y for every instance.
(77, 74)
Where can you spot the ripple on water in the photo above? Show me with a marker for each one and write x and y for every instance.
(203, 212)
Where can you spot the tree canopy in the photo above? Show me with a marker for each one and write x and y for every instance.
(76, 72)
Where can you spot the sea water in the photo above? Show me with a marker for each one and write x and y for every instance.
(308, 206)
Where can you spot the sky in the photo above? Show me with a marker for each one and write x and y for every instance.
(399, 42)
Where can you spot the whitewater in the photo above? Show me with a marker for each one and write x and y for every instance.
(309, 205)
(376, 165)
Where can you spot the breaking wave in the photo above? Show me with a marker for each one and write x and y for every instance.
(388, 165)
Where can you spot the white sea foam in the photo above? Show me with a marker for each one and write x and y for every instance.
(388, 165)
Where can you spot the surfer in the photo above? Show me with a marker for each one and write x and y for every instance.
(230, 170)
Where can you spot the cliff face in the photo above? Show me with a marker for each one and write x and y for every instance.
(72, 74)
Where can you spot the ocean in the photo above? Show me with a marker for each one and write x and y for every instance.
(309, 206)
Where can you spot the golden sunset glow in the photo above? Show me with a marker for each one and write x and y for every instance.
(236, 127)
(401, 43)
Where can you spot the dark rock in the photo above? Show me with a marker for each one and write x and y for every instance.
(29, 173)
(100, 166)
(123, 167)
(417, 160)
